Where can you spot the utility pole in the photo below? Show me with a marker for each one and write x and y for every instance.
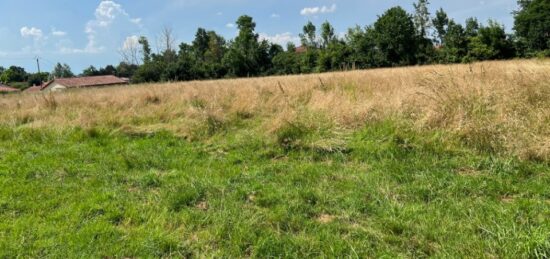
(38, 64)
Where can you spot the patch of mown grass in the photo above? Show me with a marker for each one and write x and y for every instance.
(394, 192)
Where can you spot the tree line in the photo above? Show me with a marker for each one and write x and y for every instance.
(397, 38)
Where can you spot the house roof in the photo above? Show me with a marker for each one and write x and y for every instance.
(7, 89)
(88, 81)
(32, 89)
(301, 49)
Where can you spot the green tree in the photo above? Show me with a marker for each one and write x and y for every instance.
(209, 49)
(242, 57)
(62, 71)
(455, 44)
(126, 69)
(472, 27)
(308, 36)
(491, 43)
(90, 71)
(334, 57)
(286, 63)
(532, 24)
(14, 74)
(201, 43)
(362, 47)
(291, 47)
(38, 78)
(395, 37)
(145, 49)
(422, 21)
(327, 34)
(440, 23)
(187, 67)
(149, 72)
(108, 70)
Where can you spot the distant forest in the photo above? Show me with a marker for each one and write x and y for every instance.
(397, 38)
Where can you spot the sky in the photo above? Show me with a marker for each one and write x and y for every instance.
(93, 32)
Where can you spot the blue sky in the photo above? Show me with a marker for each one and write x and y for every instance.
(88, 32)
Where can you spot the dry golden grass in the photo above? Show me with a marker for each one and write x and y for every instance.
(501, 106)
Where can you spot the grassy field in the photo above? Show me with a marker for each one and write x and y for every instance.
(435, 161)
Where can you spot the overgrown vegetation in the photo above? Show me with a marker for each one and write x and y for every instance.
(438, 161)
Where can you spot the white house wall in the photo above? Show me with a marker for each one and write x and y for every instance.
(54, 87)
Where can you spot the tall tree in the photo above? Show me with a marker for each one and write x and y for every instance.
(440, 23)
(62, 71)
(309, 35)
(146, 49)
(242, 57)
(201, 42)
(90, 71)
(454, 43)
(472, 27)
(422, 20)
(327, 34)
(395, 37)
(491, 43)
(532, 23)
(362, 46)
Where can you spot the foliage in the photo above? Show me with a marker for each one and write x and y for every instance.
(38, 78)
(126, 70)
(92, 71)
(440, 23)
(62, 71)
(14, 74)
(393, 34)
(532, 24)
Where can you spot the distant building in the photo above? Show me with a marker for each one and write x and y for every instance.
(82, 82)
(33, 89)
(4, 89)
(301, 49)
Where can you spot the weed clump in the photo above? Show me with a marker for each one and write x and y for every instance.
(184, 196)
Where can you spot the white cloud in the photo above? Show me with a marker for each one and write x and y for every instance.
(107, 14)
(58, 33)
(275, 15)
(31, 32)
(130, 43)
(281, 39)
(318, 10)
(230, 25)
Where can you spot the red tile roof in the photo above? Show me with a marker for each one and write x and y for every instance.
(89, 81)
(33, 89)
(301, 49)
(7, 89)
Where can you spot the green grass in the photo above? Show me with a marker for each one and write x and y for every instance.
(391, 191)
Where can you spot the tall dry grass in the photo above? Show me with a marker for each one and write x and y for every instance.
(496, 106)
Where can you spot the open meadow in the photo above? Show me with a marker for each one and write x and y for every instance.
(442, 161)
